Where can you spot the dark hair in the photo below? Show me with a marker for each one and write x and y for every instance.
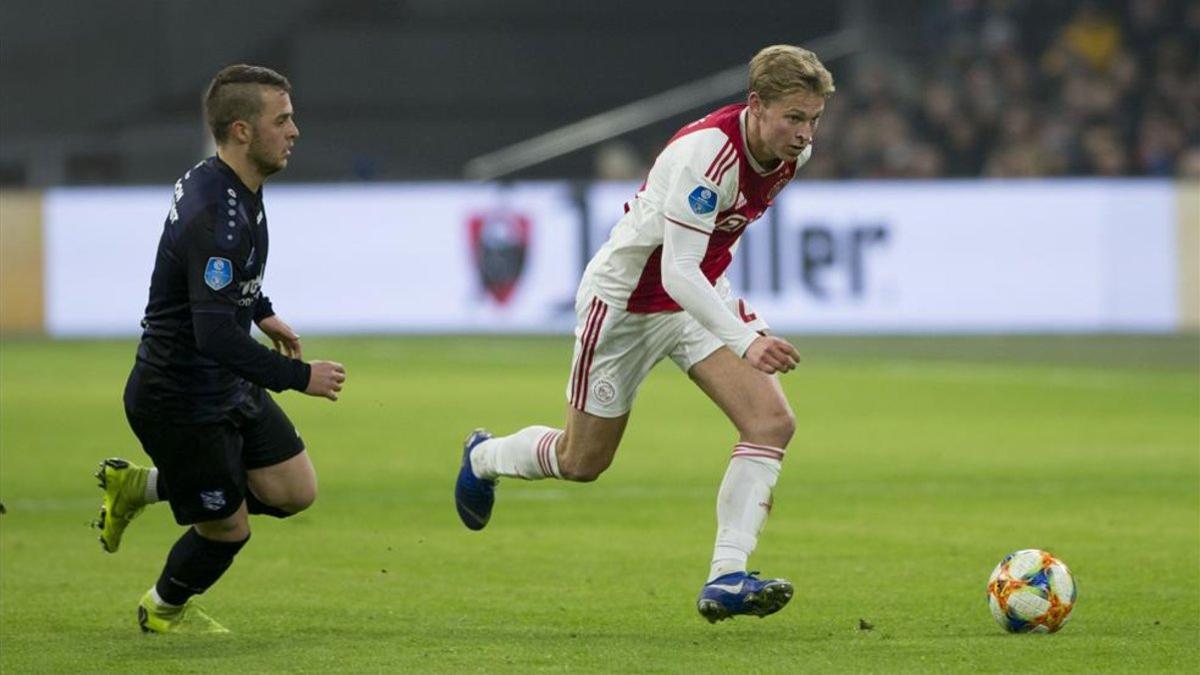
(234, 95)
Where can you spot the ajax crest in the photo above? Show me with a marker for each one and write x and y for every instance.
(499, 244)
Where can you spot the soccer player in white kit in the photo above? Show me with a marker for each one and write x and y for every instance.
(657, 288)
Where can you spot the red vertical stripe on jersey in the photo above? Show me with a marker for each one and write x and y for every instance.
(722, 157)
(725, 167)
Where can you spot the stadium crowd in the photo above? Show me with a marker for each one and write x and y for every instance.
(1021, 88)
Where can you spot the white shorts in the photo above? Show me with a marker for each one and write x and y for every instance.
(615, 350)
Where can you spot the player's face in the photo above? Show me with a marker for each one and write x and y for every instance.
(786, 125)
(275, 132)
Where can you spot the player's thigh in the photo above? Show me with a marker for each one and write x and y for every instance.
(290, 485)
(751, 399)
(614, 352)
(279, 470)
(200, 464)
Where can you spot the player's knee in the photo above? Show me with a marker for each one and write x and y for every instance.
(301, 498)
(233, 528)
(774, 427)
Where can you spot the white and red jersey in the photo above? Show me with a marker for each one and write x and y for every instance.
(705, 180)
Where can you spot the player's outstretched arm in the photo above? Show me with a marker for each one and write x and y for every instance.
(683, 249)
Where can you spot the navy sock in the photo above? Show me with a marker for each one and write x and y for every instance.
(193, 565)
(256, 506)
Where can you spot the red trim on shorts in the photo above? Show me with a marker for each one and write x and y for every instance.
(591, 355)
(583, 340)
(746, 318)
(587, 351)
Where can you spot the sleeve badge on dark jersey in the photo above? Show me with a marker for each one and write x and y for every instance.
(702, 200)
(218, 273)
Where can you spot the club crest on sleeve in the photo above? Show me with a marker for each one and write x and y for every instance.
(702, 200)
(218, 273)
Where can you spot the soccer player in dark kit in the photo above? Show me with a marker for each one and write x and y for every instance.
(222, 448)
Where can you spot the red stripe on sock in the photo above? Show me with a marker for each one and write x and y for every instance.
(743, 444)
(747, 453)
(543, 453)
(752, 450)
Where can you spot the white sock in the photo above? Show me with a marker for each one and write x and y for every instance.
(529, 454)
(158, 598)
(743, 504)
(152, 487)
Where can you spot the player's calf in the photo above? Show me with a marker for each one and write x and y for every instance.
(589, 444)
(583, 460)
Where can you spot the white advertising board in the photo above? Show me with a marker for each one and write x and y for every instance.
(847, 256)
(343, 259)
(957, 256)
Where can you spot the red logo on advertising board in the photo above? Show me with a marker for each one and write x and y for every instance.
(499, 244)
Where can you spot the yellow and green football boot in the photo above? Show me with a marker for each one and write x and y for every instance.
(124, 485)
(188, 618)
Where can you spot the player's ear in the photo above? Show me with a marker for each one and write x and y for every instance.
(240, 131)
(755, 103)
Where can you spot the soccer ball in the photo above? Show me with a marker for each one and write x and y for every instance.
(1031, 591)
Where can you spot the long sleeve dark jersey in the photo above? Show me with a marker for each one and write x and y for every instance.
(196, 360)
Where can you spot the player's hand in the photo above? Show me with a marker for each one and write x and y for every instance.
(287, 342)
(326, 379)
(772, 354)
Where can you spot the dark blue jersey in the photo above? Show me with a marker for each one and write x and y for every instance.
(196, 360)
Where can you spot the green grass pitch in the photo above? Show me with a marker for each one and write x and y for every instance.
(918, 464)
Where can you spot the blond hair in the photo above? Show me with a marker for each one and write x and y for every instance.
(780, 70)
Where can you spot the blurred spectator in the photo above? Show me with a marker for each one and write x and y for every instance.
(618, 160)
(1021, 88)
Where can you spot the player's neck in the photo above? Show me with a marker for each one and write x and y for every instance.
(757, 148)
(243, 167)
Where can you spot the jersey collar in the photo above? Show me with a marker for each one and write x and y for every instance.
(228, 172)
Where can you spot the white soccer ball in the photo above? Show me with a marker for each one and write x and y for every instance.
(1031, 591)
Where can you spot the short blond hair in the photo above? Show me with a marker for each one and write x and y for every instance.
(780, 70)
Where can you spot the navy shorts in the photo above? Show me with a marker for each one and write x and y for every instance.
(204, 465)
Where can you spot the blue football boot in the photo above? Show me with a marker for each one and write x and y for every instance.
(742, 593)
(473, 496)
